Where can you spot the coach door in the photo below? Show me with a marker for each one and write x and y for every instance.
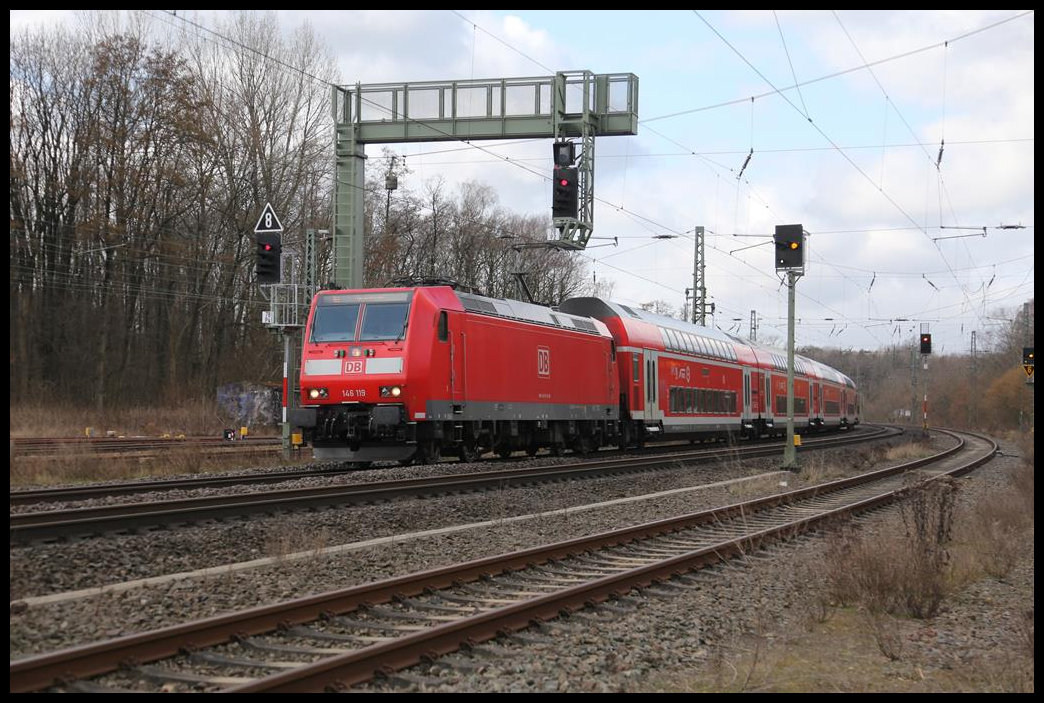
(768, 401)
(753, 381)
(746, 394)
(652, 389)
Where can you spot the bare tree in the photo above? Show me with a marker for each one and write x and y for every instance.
(137, 173)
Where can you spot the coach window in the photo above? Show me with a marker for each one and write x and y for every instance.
(443, 326)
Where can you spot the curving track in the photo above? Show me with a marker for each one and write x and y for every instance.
(334, 640)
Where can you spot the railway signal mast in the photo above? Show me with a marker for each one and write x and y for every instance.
(926, 350)
(1027, 366)
(288, 304)
(790, 259)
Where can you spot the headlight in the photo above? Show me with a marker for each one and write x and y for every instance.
(316, 393)
(391, 391)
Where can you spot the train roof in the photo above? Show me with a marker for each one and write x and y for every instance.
(598, 308)
(602, 309)
(530, 312)
(811, 366)
(496, 307)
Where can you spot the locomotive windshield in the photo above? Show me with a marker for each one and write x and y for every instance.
(360, 317)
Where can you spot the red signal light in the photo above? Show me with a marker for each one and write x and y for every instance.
(269, 248)
(565, 193)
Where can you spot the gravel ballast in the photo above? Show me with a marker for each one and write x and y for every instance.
(688, 639)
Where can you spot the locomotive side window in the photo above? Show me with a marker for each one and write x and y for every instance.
(443, 328)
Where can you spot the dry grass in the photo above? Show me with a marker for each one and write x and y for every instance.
(201, 418)
(904, 572)
(842, 656)
(71, 468)
(990, 535)
(909, 450)
(756, 487)
(283, 542)
(820, 468)
(197, 418)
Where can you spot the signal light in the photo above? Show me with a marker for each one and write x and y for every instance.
(926, 344)
(565, 192)
(1027, 356)
(269, 254)
(790, 249)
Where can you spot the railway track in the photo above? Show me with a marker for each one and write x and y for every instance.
(335, 640)
(108, 490)
(47, 525)
(93, 446)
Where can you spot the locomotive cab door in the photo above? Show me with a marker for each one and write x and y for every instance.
(457, 359)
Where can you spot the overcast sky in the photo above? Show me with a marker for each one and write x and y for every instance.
(896, 232)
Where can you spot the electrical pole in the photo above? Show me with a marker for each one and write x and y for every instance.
(699, 284)
(913, 383)
(1027, 348)
(1026, 336)
(973, 401)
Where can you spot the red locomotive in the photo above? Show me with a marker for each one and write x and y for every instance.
(412, 373)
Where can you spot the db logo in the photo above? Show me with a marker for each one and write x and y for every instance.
(543, 361)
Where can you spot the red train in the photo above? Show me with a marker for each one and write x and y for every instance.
(414, 373)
